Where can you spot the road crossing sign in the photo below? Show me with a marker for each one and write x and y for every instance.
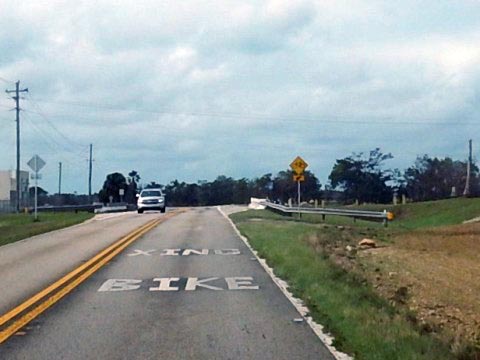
(298, 165)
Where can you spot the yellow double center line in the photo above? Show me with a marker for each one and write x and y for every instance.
(21, 315)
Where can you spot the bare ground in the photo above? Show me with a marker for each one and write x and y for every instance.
(436, 274)
(433, 273)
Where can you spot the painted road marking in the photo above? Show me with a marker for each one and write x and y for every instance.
(184, 252)
(17, 318)
(120, 285)
(178, 283)
(165, 284)
(141, 252)
(193, 283)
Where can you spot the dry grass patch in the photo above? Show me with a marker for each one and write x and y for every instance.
(437, 272)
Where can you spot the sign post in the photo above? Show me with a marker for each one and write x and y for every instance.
(298, 166)
(36, 163)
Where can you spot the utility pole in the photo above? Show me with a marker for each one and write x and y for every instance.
(17, 92)
(59, 178)
(466, 192)
(90, 173)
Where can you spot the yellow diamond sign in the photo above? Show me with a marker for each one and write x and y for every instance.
(298, 165)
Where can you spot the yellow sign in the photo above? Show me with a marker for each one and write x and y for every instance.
(298, 177)
(298, 165)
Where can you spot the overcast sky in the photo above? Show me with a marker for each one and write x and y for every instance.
(190, 90)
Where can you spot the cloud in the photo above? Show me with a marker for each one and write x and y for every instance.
(191, 90)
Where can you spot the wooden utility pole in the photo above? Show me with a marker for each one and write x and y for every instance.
(466, 192)
(59, 178)
(17, 92)
(90, 172)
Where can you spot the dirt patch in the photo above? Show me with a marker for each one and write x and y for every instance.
(433, 274)
(440, 269)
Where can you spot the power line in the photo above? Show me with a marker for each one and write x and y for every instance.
(42, 114)
(51, 143)
(386, 120)
(66, 147)
(7, 81)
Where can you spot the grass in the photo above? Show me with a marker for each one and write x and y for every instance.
(431, 213)
(363, 324)
(407, 217)
(14, 227)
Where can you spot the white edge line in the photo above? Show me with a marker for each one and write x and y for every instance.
(297, 303)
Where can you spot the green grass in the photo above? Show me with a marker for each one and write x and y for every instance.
(363, 324)
(430, 213)
(436, 213)
(306, 218)
(410, 216)
(14, 227)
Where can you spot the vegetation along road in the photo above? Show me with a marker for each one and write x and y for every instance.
(415, 295)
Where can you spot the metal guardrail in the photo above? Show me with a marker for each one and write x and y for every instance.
(48, 208)
(384, 216)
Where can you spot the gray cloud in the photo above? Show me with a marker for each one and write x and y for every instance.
(193, 90)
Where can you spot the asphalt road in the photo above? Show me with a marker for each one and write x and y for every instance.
(30, 265)
(189, 289)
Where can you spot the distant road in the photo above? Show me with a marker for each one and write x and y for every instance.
(188, 289)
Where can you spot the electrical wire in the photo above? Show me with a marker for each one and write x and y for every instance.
(6, 81)
(42, 114)
(386, 120)
(51, 142)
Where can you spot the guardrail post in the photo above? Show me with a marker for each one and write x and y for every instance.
(323, 217)
(385, 218)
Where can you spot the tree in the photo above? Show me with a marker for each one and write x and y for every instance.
(433, 178)
(154, 185)
(241, 192)
(130, 194)
(113, 183)
(223, 188)
(284, 187)
(40, 191)
(362, 178)
(261, 187)
(133, 176)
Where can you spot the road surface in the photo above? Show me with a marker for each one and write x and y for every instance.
(188, 289)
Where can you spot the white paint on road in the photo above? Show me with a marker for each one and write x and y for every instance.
(193, 283)
(241, 283)
(120, 285)
(141, 252)
(184, 252)
(165, 284)
(187, 252)
(186, 284)
(227, 252)
(170, 252)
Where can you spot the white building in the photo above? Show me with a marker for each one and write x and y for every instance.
(8, 185)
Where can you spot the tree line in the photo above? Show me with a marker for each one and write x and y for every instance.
(362, 177)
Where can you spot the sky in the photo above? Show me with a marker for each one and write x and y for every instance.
(190, 90)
